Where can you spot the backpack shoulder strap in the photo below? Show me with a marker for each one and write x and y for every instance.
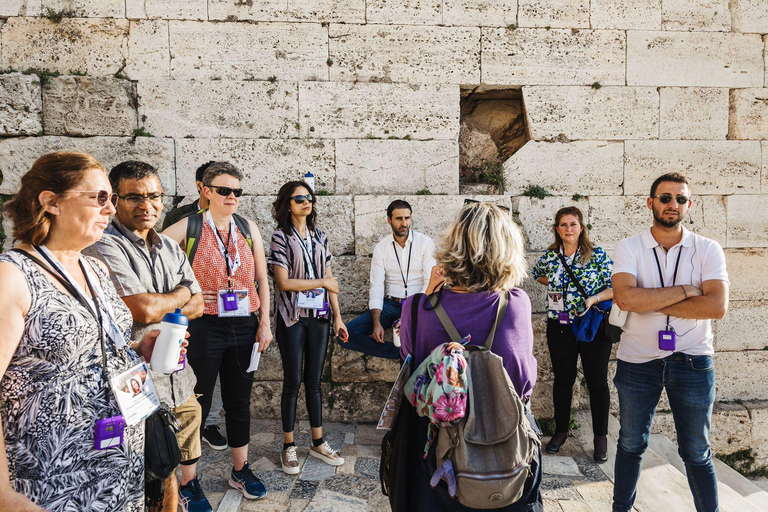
(244, 227)
(194, 229)
(500, 311)
(443, 317)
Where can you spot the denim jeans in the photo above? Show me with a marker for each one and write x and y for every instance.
(361, 328)
(690, 384)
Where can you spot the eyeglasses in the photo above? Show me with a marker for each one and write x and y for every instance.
(474, 201)
(225, 191)
(135, 200)
(101, 197)
(302, 199)
(667, 198)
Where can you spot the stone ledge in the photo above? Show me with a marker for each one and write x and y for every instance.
(347, 11)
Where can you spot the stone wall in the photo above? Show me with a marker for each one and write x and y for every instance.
(366, 94)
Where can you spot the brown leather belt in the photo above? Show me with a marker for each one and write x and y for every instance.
(396, 299)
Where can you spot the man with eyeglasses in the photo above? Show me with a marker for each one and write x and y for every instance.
(153, 277)
(673, 283)
(400, 267)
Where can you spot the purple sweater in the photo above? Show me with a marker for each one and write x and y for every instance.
(474, 313)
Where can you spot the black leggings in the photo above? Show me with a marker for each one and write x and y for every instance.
(302, 347)
(564, 351)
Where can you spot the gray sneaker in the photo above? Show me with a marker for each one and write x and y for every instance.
(325, 453)
(290, 461)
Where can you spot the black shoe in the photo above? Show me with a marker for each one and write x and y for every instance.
(601, 449)
(557, 441)
(213, 437)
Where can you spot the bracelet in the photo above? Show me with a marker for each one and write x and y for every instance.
(685, 292)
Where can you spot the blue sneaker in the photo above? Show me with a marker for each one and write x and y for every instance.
(247, 483)
(192, 498)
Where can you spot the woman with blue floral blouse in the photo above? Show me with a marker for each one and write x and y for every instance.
(592, 267)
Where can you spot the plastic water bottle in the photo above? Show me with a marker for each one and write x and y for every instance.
(165, 356)
(310, 179)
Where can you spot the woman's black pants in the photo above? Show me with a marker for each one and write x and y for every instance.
(564, 351)
(302, 349)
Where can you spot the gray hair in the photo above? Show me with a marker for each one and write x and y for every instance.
(219, 168)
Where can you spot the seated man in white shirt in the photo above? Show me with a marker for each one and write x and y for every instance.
(400, 267)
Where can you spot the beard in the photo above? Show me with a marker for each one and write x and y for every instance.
(402, 232)
(658, 217)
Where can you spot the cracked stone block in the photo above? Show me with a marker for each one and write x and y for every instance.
(560, 466)
(20, 104)
(352, 484)
(553, 13)
(304, 489)
(316, 470)
(368, 467)
(626, 14)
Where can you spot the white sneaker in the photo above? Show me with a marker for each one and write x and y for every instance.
(325, 453)
(290, 461)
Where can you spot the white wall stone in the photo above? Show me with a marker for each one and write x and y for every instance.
(743, 327)
(401, 53)
(587, 168)
(747, 226)
(480, 13)
(256, 10)
(349, 110)
(693, 113)
(537, 215)
(86, 8)
(745, 272)
(177, 108)
(750, 16)
(714, 167)
(707, 59)
(764, 151)
(149, 53)
(167, 9)
(95, 46)
(266, 163)
(287, 51)
(397, 166)
(553, 57)
(748, 114)
(700, 15)
(626, 14)
(553, 13)
(345, 11)
(20, 8)
(413, 12)
(20, 104)
(741, 375)
(758, 411)
(585, 113)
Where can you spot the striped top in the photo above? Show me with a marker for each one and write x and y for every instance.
(211, 271)
(286, 252)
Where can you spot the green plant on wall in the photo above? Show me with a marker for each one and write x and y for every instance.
(492, 173)
(537, 192)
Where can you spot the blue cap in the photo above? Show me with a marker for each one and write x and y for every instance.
(309, 175)
(176, 318)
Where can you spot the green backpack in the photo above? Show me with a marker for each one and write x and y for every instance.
(195, 228)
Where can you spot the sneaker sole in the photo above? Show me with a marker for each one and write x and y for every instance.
(329, 461)
(291, 471)
(240, 488)
(216, 447)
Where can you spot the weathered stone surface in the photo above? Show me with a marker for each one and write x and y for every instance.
(431, 215)
(178, 108)
(715, 59)
(537, 216)
(712, 15)
(414, 12)
(96, 46)
(351, 366)
(714, 167)
(731, 429)
(287, 51)
(419, 55)
(593, 168)
(708, 214)
(20, 104)
(259, 10)
(540, 349)
(553, 57)
(747, 226)
(18, 154)
(693, 113)
(741, 375)
(758, 411)
(764, 150)
(353, 273)
(476, 150)
(167, 9)
(743, 326)
(266, 163)
(86, 8)
(584, 113)
(148, 50)
(348, 110)
(20, 8)
(749, 16)
(626, 14)
(397, 166)
(746, 282)
(535, 290)
(553, 13)
(345, 11)
(479, 13)
(81, 105)
(748, 114)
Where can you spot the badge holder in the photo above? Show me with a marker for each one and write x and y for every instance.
(109, 432)
(668, 339)
(229, 298)
(564, 318)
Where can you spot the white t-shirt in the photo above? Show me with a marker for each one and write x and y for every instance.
(701, 260)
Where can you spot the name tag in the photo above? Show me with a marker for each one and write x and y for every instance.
(135, 393)
(233, 303)
(555, 301)
(311, 299)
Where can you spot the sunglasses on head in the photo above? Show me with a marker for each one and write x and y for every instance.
(101, 197)
(302, 198)
(667, 198)
(225, 191)
(474, 201)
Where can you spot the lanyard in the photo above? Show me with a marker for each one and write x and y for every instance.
(232, 263)
(564, 277)
(674, 276)
(306, 249)
(400, 267)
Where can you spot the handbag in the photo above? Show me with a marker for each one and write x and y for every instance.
(595, 321)
(161, 448)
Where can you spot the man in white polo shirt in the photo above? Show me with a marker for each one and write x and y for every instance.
(673, 283)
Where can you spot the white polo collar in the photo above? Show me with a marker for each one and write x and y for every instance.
(649, 242)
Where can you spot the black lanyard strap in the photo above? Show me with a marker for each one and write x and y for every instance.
(226, 251)
(661, 275)
(573, 278)
(400, 267)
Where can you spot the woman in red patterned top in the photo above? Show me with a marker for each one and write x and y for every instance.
(232, 271)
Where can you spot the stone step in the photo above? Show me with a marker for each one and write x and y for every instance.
(754, 493)
(729, 499)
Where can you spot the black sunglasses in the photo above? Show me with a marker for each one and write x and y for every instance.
(667, 198)
(474, 201)
(301, 199)
(225, 191)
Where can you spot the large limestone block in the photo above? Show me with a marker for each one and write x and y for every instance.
(95, 46)
(266, 163)
(397, 166)
(585, 113)
(693, 113)
(540, 348)
(287, 51)
(413, 12)
(431, 215)
(149, 53)
(708, 59)
(344, 11)
(10, 8)
(713, 167)
(419, 55)
(18, 154)
(764, 150)
(748, 114)
(626, 14)
(258, 10)
(743, 327)
(748, 281)
(167, 9)
(741, 375)
(20, 104)
(356, 402)
(553, 57)
(81, 105)
(536, 217)
(352, 366)
(86, 8)
(353, 273)
(536, 291)
(749, 16)
(553, 13)
(701, 15)
(178, 108)
(731, 428)
(479, 13)
(349, 110)
(591, 167)
(747, 224)
(758, 411)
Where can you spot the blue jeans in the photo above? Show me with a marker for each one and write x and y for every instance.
(361, 328)
(690, 384)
